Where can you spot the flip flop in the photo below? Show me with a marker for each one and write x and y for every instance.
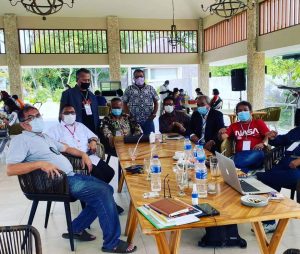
(83, 237)
(121, 248)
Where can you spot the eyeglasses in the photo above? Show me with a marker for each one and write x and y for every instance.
(32, 117)
(169, 196)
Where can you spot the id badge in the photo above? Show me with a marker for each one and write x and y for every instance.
(246, 145)
(88, 109)
(118, 133)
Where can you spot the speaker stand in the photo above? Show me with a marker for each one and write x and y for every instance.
(240, 95)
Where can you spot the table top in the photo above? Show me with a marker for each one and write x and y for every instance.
(227, 201)
(231, 113)
(163, 150)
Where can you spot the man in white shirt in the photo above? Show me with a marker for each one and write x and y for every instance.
(164, 93)
(77, 135)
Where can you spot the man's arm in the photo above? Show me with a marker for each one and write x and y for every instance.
(86, 161)
(126, 108)
(155, 107)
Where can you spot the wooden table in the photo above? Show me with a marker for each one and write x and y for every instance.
(232, 115)
(227, 201)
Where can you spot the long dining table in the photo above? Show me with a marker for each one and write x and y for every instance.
(226, 201)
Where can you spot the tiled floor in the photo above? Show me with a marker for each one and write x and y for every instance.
(14, 209)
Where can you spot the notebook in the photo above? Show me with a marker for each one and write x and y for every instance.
(169, 207)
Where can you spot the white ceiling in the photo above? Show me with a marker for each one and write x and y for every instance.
(153, 9)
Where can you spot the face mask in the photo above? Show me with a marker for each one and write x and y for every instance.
(69, 119)
(116, 111)
(85, 86)
(169, 109)
(37, 124)
(244, 116)
(139, 81)
(202, 110)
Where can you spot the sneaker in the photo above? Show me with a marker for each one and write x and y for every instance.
(269, 228)
(119, 209)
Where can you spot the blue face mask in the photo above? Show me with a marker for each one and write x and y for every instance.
(37, 124)
(116, 111)
(202, 110)
(244, 116)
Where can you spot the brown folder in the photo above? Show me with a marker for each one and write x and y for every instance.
(169, 207)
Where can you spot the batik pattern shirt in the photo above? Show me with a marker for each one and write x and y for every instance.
(140, 101)
(122, 126)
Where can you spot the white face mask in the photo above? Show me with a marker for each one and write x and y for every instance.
(169, 109)
(69, 119)
(37, 124)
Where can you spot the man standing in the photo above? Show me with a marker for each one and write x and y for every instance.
(141, 101)
(164, 93)
(84, 101)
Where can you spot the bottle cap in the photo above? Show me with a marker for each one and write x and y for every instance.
(155, 156)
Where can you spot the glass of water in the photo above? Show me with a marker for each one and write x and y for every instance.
(132, 154)
(182, 181)
(214, 167)
(147, 168)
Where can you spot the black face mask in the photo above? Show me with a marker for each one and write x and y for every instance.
(85, 86)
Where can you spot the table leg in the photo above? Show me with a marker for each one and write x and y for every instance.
(162, 243)
(175, 241)
(129, 219)
(132, 226)
(265, 246)
(121, 182)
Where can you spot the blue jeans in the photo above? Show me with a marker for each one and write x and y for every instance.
(147, 126)
(248, 160)
(99, 200)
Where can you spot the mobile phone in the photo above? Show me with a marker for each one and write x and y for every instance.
(207, 210)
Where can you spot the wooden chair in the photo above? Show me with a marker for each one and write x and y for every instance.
(23, 239)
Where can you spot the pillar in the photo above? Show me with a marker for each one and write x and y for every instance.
(203, 71)
(12, 54)
(114, 56)
(255, 62)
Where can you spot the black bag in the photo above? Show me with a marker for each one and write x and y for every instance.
(222, 236)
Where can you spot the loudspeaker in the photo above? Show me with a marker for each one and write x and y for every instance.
(238, 80)
(209, 74)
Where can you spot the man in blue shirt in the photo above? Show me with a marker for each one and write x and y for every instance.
(33, 150)
(100, 99)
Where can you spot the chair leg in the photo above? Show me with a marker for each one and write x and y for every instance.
(48, 208)
(292, 196)
(69, 224)
(30, 220)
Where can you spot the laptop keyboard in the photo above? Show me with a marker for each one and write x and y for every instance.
(246, 187)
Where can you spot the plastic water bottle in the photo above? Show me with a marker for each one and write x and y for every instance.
(195, 152)
(200, 153)
(201, 179)
(152, 138)
(187, 147)
(195, 195)
(155, 174)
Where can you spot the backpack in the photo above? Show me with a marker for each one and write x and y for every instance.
(222, 236)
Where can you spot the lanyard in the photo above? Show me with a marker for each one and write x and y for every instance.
(85, 98)
(247, 129)
(72, 133)
(51, 148)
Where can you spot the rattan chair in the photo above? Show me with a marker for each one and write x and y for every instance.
(21, 239)
(38, 186)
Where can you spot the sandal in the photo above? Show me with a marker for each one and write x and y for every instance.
(121, 248)
(84, 236)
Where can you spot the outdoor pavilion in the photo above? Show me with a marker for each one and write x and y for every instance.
(272, 28)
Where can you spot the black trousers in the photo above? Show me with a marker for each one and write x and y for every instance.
(297, 117)
(103, 171)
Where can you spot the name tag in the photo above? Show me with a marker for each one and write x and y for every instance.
(293, 146)
(88, 109)
(246, 145)
(118, 133)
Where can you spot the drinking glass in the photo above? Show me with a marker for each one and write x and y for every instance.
(147, 168)
(132, 154)
(182, 181)
(214, 167)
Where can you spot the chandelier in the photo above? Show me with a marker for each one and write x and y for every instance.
(228, 8)
(173, 40)
(42, 7)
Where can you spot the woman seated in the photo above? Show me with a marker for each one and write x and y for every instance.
(249, 136)
(11, 108)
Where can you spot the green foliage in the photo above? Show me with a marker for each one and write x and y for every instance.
(57, 95)
(220, 71)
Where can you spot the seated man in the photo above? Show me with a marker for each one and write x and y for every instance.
(205, 124)
(33, 150)
(100, 99)
(172, 120)
(249, 135)
(286, 173)
(118, 124)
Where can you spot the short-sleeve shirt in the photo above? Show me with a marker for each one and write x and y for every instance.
(140, 101)
(254, 132)
(76, 136)
(30, 147)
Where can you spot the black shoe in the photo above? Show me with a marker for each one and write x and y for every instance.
(119, 209)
